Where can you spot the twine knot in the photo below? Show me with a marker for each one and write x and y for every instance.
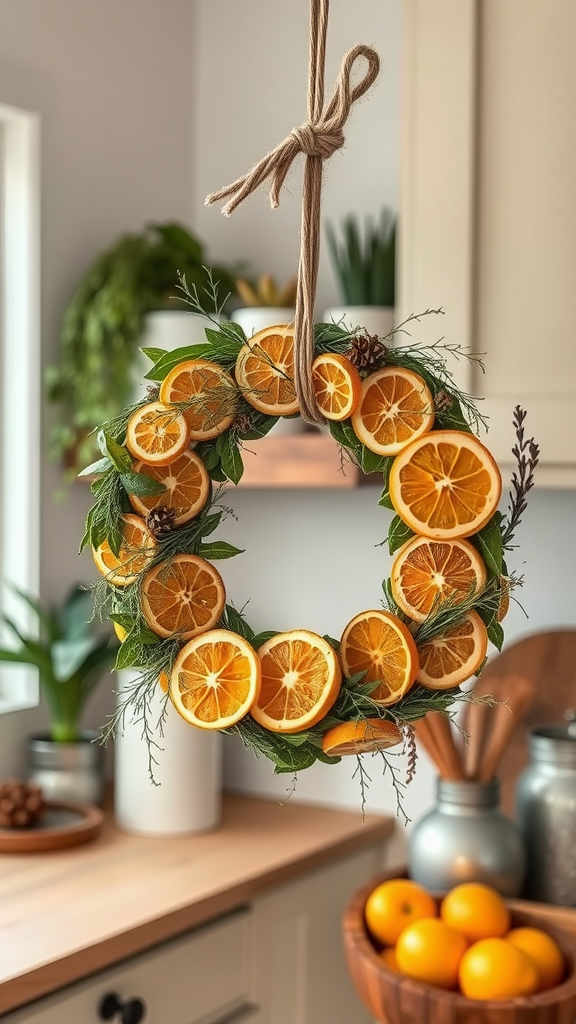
(318, 140)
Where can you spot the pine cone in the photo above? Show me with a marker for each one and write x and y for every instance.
(442, 401)
(21, 804)
(366, 351)
(161, 520)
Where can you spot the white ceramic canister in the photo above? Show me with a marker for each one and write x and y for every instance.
(186, 794)
(377, 320)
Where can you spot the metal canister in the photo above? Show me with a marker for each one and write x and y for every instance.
(546, 815)
(466, 838)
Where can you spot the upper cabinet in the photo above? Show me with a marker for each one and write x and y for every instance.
(487, 210)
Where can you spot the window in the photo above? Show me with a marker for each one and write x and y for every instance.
(20, 392)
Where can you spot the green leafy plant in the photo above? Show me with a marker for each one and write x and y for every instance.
(365, 268)
(69, 654)
(103, 325)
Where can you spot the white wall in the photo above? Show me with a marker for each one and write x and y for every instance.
(250, 90)
(112, 83)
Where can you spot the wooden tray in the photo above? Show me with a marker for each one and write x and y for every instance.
(392, 998)
(62, 825)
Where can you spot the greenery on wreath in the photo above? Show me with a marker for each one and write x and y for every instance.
(117, 481)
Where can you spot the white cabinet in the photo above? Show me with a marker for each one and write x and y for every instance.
(202, 978)
(487, 209)
(279, 960)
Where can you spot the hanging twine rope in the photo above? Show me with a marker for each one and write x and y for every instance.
(318, 138)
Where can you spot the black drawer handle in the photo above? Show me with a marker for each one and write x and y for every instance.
(128, 1011)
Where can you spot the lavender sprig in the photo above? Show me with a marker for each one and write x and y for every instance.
(526, 452)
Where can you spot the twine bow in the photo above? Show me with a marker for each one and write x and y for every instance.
(318, 138)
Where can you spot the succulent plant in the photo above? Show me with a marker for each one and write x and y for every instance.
(365, 268)
(266, 292)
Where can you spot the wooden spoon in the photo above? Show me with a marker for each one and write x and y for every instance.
(505, 720)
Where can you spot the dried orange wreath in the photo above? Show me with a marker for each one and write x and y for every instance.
(294, 696)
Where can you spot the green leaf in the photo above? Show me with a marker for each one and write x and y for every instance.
(386, 501)
(142, 485)
(495, 634)
(398, 534)
(490, 545)
(231, 459)
(100, 466)
(216, 473)
(218, 549)
(234, 620)
(260, 427)
(210, 523)
(333, 643)
(119, 456)
(370, 462)
(76, 614)
(154, 354)
(68, 656)
(171, 359)
(262, 637)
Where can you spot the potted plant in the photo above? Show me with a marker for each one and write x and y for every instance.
(365, 269)
(70, 656)
(265, 303)
(103, 325)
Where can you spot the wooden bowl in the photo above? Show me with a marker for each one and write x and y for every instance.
(395, 999)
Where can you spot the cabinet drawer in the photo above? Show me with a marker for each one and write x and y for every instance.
(201, 978)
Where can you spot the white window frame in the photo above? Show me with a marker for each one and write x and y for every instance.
(19, 361)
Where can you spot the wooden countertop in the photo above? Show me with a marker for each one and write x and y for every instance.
(66, 914)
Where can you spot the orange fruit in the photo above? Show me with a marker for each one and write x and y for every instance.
(476, 910)
(395, 407)
(496, 969)
(545, 953)
(380, 644)
(448, 660)
(445, 484)
(163, 681)
(430, 951)
(265, 371)
(136, 552)
(388, 955)
(207, 394)
(360, 737)
(301, 679)
(336, 384)
(426, 572)
(183, 596)
(395, 904)
(187, 487)
(157, 434)
(215, 679)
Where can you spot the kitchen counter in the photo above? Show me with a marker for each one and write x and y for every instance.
(66, 914)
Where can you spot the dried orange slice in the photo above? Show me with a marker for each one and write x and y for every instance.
(265, 371)
(136, 552)
(450, 659)
(426, 572)
(445, 484)
(187, 487)
(215, 679)
(395, 407)
(157, 434)
(360, 737)
(378, 643)
(208, 392)
(337, 385)
(301, 679)
(183, 596)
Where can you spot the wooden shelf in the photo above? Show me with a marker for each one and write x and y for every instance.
(306, 459)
